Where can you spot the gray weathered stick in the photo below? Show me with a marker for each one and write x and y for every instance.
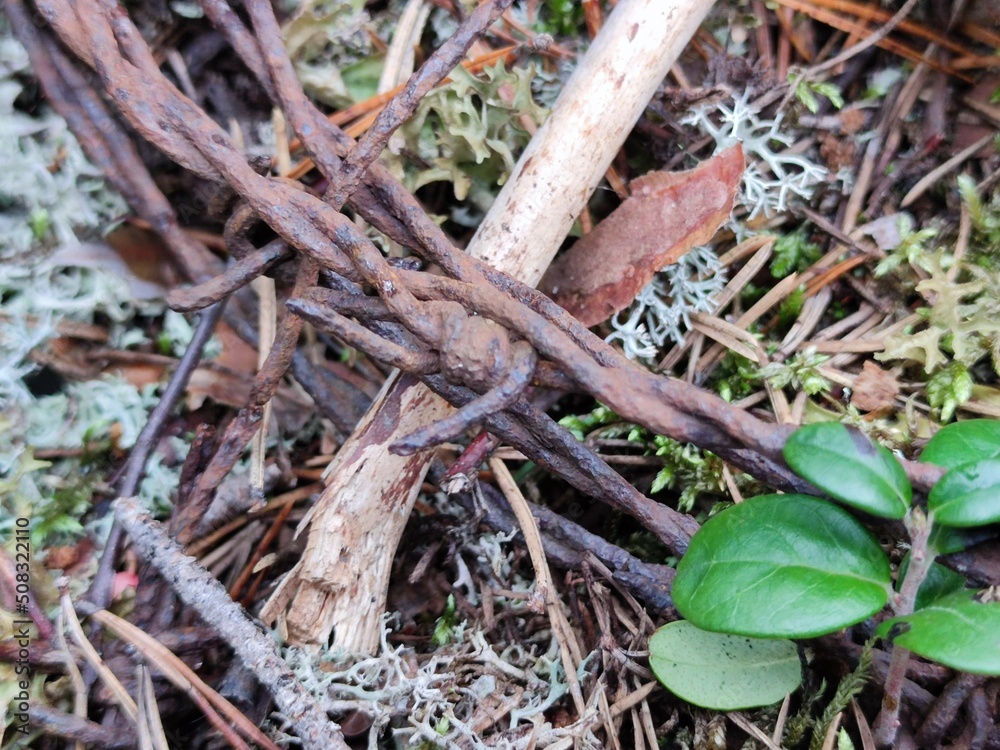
(255, 648)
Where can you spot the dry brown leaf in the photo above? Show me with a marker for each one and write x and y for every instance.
(667, 214)
(136, 256)
(138, 374)
(875, 388)
(291, 410)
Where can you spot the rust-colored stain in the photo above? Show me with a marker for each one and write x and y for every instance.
(667, 214)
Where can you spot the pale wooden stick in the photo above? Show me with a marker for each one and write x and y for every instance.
(339, 586)
(544, 585)
(574, 147)
(268, 325)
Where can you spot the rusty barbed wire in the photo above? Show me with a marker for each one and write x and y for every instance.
(421, 305)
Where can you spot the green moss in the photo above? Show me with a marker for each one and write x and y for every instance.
(793, 253)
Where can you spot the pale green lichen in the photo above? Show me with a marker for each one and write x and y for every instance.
(324, 39)
(963, 321)
(469, 131)
(52, 197)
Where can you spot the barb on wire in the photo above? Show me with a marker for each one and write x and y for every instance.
(499, 397)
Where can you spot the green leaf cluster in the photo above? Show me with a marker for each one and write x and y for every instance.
(912, 248)
(736, 377)
(798, 566)
(801, 372)
(686, 466)
(583, 424)
(949, 388)
(808, 92)
(561, 18)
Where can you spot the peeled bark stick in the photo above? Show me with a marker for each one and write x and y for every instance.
(339, 587)
(574, 147)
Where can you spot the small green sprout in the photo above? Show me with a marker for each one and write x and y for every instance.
(807, 91)
(800, 372)
(949, 388)
(444, 628)
(913, 248)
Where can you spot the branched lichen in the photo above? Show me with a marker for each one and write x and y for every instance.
(469, 130)
(772, 177)
(433, 698)
(963, 322)
(662, 310)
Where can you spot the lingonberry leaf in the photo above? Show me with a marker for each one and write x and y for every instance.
(847, 465)
(781, 566)
(956, 631)
(723, 672)
(968, 495)
(963, 443)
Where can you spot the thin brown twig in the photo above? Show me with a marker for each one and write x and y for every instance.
(561, 630)
(100, 588)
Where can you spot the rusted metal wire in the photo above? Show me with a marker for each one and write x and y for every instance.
(105, 142)
(416, 301)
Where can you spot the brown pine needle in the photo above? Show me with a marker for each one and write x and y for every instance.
(847, 25)
(878, 16)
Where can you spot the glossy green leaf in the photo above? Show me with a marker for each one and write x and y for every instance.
(947, 539)
(963, 443)
(844, 463)
(940, 582)
(781, 566)
(720, 671)
(957, 631)
(967, 495)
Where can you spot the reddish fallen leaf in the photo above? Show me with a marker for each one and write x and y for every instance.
(124, 581)
(874, 389)
(667, 214)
